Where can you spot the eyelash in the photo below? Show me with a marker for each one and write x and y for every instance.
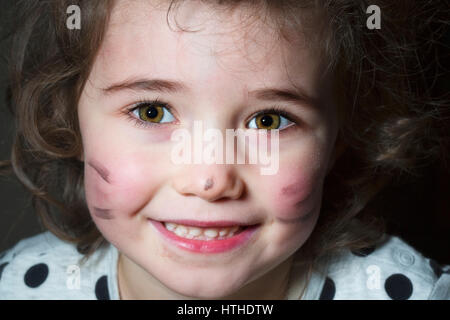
(280, 111)
(144, 124)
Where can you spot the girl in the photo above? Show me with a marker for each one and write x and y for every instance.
(97, 107)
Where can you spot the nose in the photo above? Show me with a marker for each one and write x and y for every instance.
(209, 182)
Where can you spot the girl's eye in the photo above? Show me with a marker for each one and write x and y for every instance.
(154, 111)
(269, 121)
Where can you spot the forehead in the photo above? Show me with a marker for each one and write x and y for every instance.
(225, 45)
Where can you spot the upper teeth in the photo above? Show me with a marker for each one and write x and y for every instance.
(200, 233)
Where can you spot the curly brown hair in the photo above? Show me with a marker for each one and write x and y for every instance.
(390, 123)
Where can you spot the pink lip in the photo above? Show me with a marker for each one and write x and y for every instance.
(206, 246)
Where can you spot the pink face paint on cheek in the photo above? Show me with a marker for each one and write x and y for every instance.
(133, 179)
(297, 197)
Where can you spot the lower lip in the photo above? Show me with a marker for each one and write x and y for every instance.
(207, 246)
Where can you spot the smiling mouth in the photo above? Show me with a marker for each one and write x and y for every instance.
(206, 236)
(203, 233)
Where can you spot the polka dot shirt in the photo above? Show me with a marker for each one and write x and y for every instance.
(45, 267)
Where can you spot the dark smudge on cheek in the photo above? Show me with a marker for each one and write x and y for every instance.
(105, 175)
(303, 205)
(299, 219)
(302, 217)
(103, 213)
(102, 171)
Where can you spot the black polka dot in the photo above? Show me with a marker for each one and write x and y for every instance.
(328, 290)
(36, 275)
(363, 252)
(42, 254)
(101, 288)
(2, 266)
(398, 287)
(436, 267)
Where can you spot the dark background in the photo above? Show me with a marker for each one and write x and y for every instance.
(16, 217)
(420, 215)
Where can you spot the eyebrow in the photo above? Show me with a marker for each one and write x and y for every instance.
(297, 95)
(160, 85)
(287, 95)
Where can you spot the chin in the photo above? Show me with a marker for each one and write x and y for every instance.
(203, 286)
(207, 293)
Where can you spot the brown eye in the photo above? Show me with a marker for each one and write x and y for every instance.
(153, 112)
(269, 121)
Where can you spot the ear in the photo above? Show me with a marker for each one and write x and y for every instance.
(339, 148)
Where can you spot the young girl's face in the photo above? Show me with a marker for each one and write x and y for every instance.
(132, 185)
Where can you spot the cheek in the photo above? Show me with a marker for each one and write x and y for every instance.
(297, 192)
(295, 200)
(126, 190)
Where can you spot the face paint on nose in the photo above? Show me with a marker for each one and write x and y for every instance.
(209, 184)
